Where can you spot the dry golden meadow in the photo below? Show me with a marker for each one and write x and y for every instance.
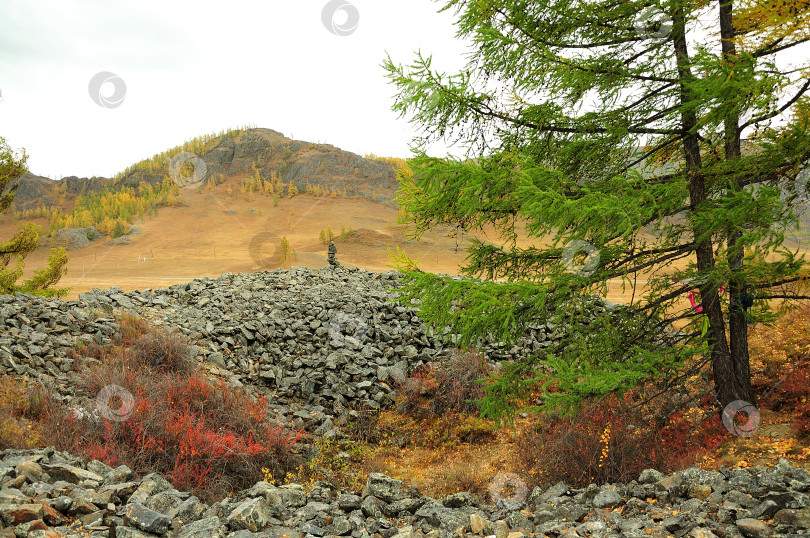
(211, 234)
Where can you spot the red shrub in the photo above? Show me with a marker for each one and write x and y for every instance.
(613, 441)
(791, 393)
(792, 388)
(458, 387)
(414, 392)
(801, 420)
(201, 435)
(684, 440)
(451, 385)
(797, 385)
(204, 436)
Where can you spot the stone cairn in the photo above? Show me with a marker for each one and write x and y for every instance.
(332, 257)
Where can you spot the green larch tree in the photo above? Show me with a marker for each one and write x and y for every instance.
(26, 240)
(640, 141)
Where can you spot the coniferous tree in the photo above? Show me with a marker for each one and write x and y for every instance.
(649, 142)
(26, 240)
(287, 252)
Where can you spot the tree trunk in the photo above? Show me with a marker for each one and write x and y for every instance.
(724, 374)
(738, 325)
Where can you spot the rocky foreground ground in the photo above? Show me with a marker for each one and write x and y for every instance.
(51, 494)
(318, 342)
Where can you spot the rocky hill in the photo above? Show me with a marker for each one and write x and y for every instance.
(34, 191)
(298, 162)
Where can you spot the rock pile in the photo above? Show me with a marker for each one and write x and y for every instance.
(73, 238)
(327, 338)
(45, 493)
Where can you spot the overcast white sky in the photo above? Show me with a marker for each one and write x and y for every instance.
(192, 68)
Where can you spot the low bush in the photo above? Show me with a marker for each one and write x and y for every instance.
(162, 415)
(790, 393)
(780, 354)
(200, 434)
(782, 344)
(162, 352)
(458, 385)
(791, 388)
(414, 392)
(363, 425)
(801, 420)
(613, 440)
(458, 476)
(343, 464)
(449, 430)
(452, 385)
(21, 403)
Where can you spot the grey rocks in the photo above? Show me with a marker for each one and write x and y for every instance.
(324, 340)
(73, 238)
(46, 493)
(331, 256)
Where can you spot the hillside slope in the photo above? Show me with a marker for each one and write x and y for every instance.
(229, 157)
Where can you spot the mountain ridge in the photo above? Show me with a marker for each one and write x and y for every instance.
(233, 155)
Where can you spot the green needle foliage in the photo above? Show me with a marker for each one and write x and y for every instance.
(26, 240)
(664, 141)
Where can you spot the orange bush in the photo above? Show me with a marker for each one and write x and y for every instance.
(452, 385)
(613, 441)
(165, 416)
(782, 344)
(20, 404)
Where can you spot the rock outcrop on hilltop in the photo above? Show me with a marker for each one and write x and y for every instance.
(302, 163)
(52, 494)
(264, 150)
(34, 191)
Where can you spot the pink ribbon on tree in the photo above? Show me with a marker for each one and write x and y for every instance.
(693, 299)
